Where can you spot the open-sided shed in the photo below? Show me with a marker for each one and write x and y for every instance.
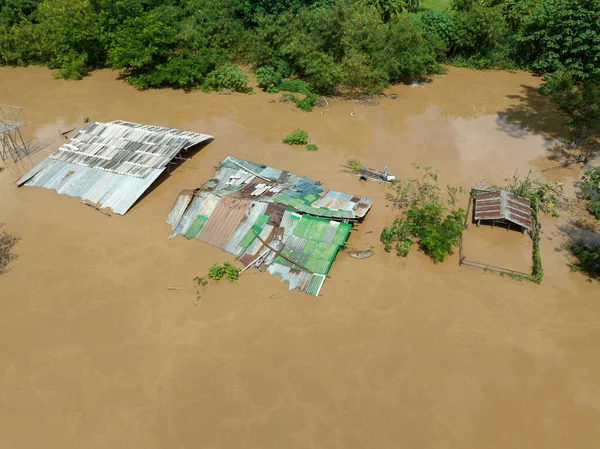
(111, 165)
(504, 207)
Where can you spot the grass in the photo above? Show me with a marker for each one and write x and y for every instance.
(438, 5)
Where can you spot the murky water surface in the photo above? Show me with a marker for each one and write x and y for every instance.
(97, 353)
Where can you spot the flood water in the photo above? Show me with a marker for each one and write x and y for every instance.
(96, 352)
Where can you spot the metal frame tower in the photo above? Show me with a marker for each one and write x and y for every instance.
(12, 145)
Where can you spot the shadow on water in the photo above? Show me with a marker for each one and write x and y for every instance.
(534, 113)
(175, 163)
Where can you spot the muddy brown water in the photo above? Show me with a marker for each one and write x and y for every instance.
(95, 352)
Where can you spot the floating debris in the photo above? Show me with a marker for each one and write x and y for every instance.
(360, 253)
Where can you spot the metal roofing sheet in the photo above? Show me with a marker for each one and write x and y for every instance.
(181, 203)
(104, 189)
(223, 221)
(112, 164)
(502, 205)
(256, 197)
(126, 148)
(251, 214)
(182, 225)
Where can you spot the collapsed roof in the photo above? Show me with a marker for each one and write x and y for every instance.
(111, 164)
(270, 218)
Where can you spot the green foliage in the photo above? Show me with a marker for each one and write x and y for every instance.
(389, 9)
(564, 35)
(591, 190)
(426, 221)
(227, 270)
(298, 86)
(200, 281)
(346, 45)
(439, 24)
(537, 272)
(478, 31)
(354, 165)
(437, 234)
(7, 242)
(228, 76)
(580, 102)
(311, 147)
(268, 78)
(537, 192)
(144, 41)
(297, 137)
(588, 258)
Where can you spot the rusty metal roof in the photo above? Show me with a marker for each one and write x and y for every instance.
(503, 206)
(245, 205)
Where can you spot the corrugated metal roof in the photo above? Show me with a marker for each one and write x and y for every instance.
(104, 189)
(112, 164)
(126, 148)
(181, 203)
(256, 199)
(502, 205)
(224, 221)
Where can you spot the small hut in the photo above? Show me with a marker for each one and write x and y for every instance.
(502, 207)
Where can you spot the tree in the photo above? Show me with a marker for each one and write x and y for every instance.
(564, 35)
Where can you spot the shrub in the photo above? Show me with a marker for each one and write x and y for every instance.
(537, 192)
(200, 281)
(298, 137)
(228, 76)
(425, 221)
(588, 258)
(591, 190)
(217, 272)
(354, 165)
(311, 147)
(439, 24)
(477, 31)
(436, 234)
(268, 79)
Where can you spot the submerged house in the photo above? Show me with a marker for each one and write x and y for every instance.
(502, 207)
(271, 219)
(111, 165)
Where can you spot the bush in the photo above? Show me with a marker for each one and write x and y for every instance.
(591, 190)
(354, 165)
(478, 31)
(426, 221)
(436, 234)
(217, 272)
(228, 76)
(311, 147)
(268, 79)
(439, 24)
(298, 137)
(588, 258)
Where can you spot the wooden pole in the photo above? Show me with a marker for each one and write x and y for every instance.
(281, 255)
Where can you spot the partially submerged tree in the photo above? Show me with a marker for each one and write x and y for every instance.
(426, 218)
(7, 241)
